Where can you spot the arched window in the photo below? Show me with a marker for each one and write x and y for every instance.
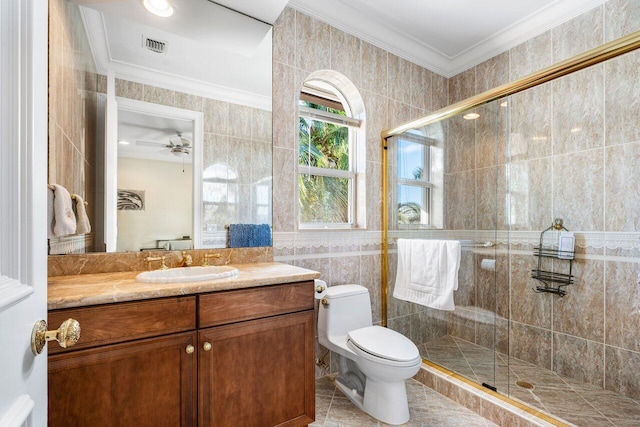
(331, 155)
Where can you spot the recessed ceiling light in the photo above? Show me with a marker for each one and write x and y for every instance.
(471, 116)
(504, 104)
(158, 7)
(123, 142)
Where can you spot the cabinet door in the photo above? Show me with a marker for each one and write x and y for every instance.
(257, 373)
(149, 382)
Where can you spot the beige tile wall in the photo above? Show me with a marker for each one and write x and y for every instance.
(574, 153)
(72, 103)
(393, 90)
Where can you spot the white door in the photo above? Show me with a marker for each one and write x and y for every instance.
(23, 175)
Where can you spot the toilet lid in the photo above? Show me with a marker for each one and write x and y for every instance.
(384, 343)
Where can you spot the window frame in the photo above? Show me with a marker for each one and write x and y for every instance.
(353, 126)
(426, 185)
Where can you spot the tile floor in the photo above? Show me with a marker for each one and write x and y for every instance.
(573, 401)
(426, 406)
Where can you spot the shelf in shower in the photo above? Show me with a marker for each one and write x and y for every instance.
(551, 276)
(547, 277)
(553, 253)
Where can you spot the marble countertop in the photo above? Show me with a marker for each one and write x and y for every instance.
(103, 288)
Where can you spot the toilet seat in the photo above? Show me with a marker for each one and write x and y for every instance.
(383, 345)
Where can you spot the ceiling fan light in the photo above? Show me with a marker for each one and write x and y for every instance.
(158, 7)
(178, 152)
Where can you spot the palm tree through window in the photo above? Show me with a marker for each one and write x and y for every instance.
(326, 161)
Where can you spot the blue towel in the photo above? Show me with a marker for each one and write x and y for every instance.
(249, 235)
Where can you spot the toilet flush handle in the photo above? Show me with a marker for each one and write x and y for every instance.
(324, 301)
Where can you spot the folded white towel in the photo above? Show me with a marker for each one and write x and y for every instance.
(64, 218)
(50, 216)
(82, 219)
(428, 272)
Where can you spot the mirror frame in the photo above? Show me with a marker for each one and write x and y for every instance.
(111, 163)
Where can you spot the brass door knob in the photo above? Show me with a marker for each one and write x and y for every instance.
(67, 335)
(190, 349)
(206, 346)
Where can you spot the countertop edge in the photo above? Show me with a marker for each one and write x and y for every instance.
(108, 288)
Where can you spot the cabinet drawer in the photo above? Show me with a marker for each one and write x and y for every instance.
(220, 308)
(113, 323)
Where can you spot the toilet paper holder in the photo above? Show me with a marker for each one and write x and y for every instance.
(320, 291)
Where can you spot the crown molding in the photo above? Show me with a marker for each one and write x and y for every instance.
(527, 28)
(371, 30)
(375, 31)
(103, 60)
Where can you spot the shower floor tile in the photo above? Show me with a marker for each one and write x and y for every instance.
(426, 406)
(577, 403)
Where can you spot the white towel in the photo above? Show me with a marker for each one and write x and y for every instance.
(82, 220)
(50, 216)
(428, 272)
(64, 218)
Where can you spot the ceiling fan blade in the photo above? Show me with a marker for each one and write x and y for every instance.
(180, 141)
(149, 143)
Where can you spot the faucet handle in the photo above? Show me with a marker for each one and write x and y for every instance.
(150, 259)
(205, 259)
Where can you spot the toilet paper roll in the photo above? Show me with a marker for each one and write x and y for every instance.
(320, 288)
(488, 264)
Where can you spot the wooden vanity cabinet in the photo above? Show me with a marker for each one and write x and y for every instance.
(251, 365)
(131, 366)
(149, 382)
(259, 371)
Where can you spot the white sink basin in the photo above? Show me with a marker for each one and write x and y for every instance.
(187, 274)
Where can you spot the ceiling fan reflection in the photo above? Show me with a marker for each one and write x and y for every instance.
(178, 146)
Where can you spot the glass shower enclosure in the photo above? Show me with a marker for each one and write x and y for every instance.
(505, 173)
(456, 166)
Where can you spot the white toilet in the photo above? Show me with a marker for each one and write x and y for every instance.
(374, 361)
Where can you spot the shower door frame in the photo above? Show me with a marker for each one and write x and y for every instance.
(591, 57)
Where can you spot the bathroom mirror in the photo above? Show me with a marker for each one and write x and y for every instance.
(206, 59)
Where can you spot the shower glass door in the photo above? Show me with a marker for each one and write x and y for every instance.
(447, 181)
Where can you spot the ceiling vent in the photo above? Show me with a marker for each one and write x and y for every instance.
(154, 45)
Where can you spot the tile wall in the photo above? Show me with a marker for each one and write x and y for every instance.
(393, 90)
(574, 153)
(72, 104)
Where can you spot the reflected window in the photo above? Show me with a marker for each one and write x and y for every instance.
(219, 203)
(414, 179)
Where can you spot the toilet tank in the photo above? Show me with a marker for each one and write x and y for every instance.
(348, 308)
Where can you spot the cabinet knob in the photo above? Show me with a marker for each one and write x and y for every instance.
(190, 349)
(206, 346)
(67, 335)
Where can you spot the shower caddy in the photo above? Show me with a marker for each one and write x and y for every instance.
(548, 277)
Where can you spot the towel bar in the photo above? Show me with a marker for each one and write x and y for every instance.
(472, 244)
(468, 243)
(73, 196)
